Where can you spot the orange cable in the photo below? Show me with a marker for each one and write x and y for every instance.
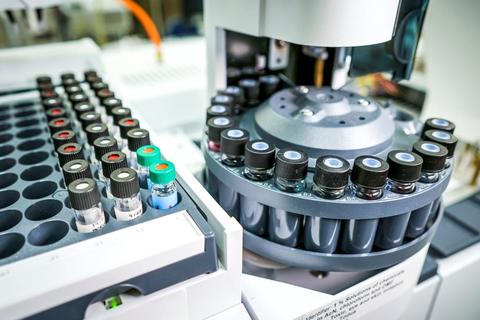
(146, 22)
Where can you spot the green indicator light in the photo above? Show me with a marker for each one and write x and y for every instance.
(113, 302)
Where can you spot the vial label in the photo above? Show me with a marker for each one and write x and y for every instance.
(127, 215)
(165, 202)
(86, 228)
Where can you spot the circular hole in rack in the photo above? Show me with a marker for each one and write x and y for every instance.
(10, 244)
(361, 118)
(61, 183)
(6, 150)
(67, 203)
(27, 123)
(22, 105)
(5, 137)
(40, 190)
(36, 173)
(6, 164)
(8, 197)
(29, 133)
(7, 179)
(48, 233)
(3, 108)
(44, 209)
(282, 107)
(25, 113)
(31, 144)
(5, 127)
(9, 219)
(341, 122)
(4, 117)
(33, 157)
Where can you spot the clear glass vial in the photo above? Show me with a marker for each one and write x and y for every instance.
(232, 146)
(86, 205)
(164, 193)
(434, 157)
(331, 177)
(112, 161)
(259, 160)
(405, 170)
(290, 170)
(146, 156)
(369, 175)
(126, 194)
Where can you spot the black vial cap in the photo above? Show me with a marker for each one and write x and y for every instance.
(98, 85)
(405, 166)
(68, 152)
(235, 92)
(54, 113)
(89, 73)
(216, 126)
(124, 183)
(443, 138)
(89, 118)
(43, 79)
(78, 97)
(438, 124)
(433, 154)
(83, 194)
(127, 124)
(63, 137)
(223, 100)
(59, 124)
(120, 113)
(48, 93)
(331, 172)
(104, 145)
(104, 94)
(45, 87)
(93, 78)
(268, 85)
(69, 82)
(67, 75)
(291, 164)
(218, 111)
(369, 172)
(110, 103)
(76, 169)
(233, 141)
(70, 90)
(94, 131)
(137, 138)
(83, 107)
(251, 89)
(259, 154)
(54, 102)
(112, 161)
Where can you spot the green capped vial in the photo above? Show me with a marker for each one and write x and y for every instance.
(146, 156)
(164, 190)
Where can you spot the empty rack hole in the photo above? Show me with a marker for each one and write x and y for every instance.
(31, 144)
(25, 113)
(48, 233)
(9, 219)
(40, 190)
(29, 133)
(10, 244)
(5, 127)
(36, 173)
(5, 137)
(5, 150)
(27, 123)
(6, 164)
(44, 209)
(7, 179)
(33, 157)
(8, 197)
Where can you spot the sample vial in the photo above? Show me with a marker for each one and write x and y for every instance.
(89, 73)
(251, 90)
(86, 205)
(164, 190)
(94, 131)
(98, 85)
(67, 75)
(69, 82)
(434, 157)
(223, 100)
(76, 169)
(102, 146)
(259, 160)
(268, 85)
(405, 170)
(126, 194)
(290, 170)
(125, 125)
(62, 137)
(215, 127)
(146, 156)
(136, 138)
(232, 146)
(45, 87)
(445, 139)
(110, 103)
(48, 93)
(236, 93)
(369, 175)
(59, 124)
(71, 90)
(89, 118)
(218, 111)
(43, 80)
(54, 102)
(68, 152)
(83, 107)
(331, 177)
(104, 94)
(438, 124)
(119, 113)
(54, 113)
(78, 98)
(112, 161)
